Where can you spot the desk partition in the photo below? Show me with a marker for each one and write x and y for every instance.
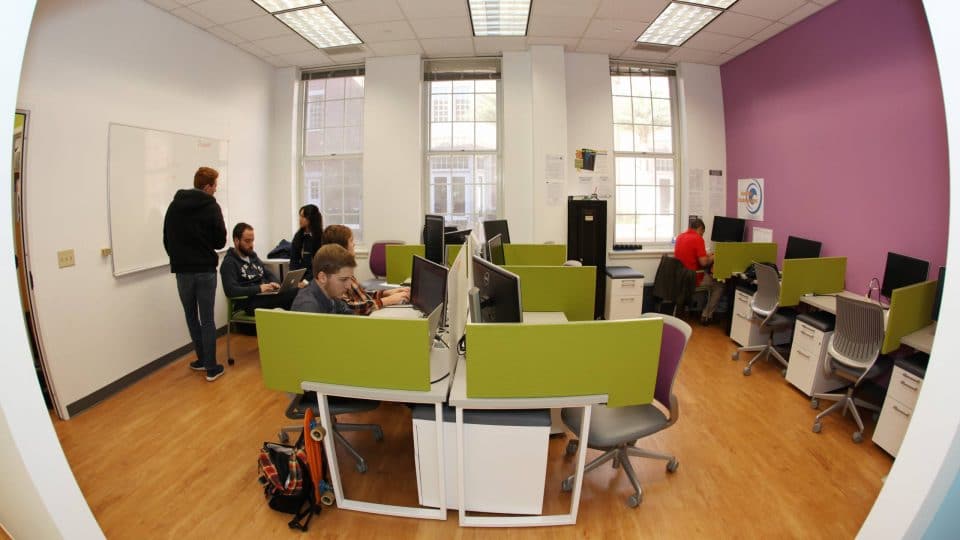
(617, 358)
(824, 275)
(535, 254)
(361, 351)
(400, 261)
(733, 257)
(570, 289)
(910, 310)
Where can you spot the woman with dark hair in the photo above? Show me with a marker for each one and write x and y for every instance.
(306, 241)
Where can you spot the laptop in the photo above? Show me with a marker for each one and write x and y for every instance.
(290, 281)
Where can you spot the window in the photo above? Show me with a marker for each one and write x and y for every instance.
(645, 155)
(463, 151)
(332, 151)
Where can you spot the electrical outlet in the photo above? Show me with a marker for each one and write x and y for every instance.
(105, 252)
(65, 258)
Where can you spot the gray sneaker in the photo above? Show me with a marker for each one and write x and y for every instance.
(215, 373)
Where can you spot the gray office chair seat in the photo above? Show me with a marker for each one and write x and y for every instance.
(610, 426)
(342, 405)
(338, 405)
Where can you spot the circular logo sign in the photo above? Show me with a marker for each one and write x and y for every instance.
(754, 196)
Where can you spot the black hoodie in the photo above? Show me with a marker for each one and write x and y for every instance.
(192, 230)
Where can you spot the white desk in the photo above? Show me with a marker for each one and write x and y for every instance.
(922, 339)
(828, 302)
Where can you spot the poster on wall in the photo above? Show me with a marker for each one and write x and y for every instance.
(750, 198)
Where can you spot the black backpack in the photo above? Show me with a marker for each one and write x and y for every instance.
(287, 486)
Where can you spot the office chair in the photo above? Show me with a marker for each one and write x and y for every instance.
(673, 283)
(616, 429)
(852, 354)
(236, 316)
(338, 405)
(378, 265)
(766, 309)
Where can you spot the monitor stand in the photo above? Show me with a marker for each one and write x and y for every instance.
(442, 359)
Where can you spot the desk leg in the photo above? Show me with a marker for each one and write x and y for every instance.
(329, 444)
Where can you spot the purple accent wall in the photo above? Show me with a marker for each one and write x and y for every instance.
(843, 117)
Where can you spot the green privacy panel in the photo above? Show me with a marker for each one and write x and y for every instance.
(910, 310)
(733, 257)
(452, 251)
(617, 358)
(570, 289)
(342, 349)
(823, 275)
(400, 261)
(535, 254)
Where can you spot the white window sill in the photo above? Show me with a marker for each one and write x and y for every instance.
(651, 253)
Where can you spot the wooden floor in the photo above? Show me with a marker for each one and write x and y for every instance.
(175, 457)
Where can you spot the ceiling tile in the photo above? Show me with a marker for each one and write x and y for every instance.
(767, 9)
(258, 28)
(569, 8)
(557, 26)
(255, 50)
(227, 11)
(396, 48)
(743, 47)
(769, 32)
(495, 45)
(611, 47)
(708, 41)
(615, 29)
(634, 10)
(366, 11)
(165, 4)
(226, 35)
(647, 56)
(285, 44)
(696, 56)
(737, 24)
(384, 31)
(307, 59)
(448, 46)
(426, 9)
(569, 44)
(722, 59)
(801, 13)
(278, 61)
(442, 27)
(193, 17)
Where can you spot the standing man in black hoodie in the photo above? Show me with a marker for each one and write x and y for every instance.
(193, 230)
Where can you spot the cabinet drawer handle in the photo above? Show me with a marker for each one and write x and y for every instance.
(901, 412)
(804, 332)
(627, 299)
(914, 388)
(742, 317)
(908, 377)
(627, 283)
(801, 353)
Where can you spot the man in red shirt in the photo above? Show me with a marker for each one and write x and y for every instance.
(691, 251)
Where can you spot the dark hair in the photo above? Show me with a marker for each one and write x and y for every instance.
(239, 228)
(330, 258)
(697, 223)
(337, 234)
(205, 176)
(314, 220)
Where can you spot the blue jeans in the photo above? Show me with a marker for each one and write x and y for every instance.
(198, 294)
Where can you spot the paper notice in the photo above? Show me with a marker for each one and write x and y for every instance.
(554, 167)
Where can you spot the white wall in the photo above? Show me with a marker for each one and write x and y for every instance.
(517, 145)
(549, 137)
(86, 65)
(284, 162)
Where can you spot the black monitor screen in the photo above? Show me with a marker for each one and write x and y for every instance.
(902, 271)
(801, 248)
(456, 237)
(433, 238)
(936, 299)
(727, 229)
(494, 227)
(428, 285)
(495, 250)
(498, 291)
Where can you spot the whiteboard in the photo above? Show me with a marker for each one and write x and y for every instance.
(146, 167)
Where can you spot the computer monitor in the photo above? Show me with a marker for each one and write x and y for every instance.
(939, 295)
(456, 237)
(498, 293)
(801, 248)
(428, 285)
(726, 229)
(495, 250)
(433, 243)
(494, 227)
(901, 271)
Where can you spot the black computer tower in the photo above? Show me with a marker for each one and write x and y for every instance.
(587, 240)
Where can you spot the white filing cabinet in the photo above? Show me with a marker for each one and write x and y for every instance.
(624, 293)
(808, 354)
(745, 332)
(897, 409)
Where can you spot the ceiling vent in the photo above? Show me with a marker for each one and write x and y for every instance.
(346, 49)
(651, 47)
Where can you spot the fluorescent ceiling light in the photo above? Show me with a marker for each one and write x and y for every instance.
(499, 17)
(677, 23)
(274, 6)
(722, 4)
(319, 26)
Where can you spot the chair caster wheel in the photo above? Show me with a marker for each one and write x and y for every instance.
(783, 373)
(572, 446)
(283, 437)
(673, 465)
(814, 403)
(361, 467)
(735, 356)
(858, 437)
(230, 361)
(746, 371)
(378, 434)
(634, 501)
(567, 484)
(817, 427)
